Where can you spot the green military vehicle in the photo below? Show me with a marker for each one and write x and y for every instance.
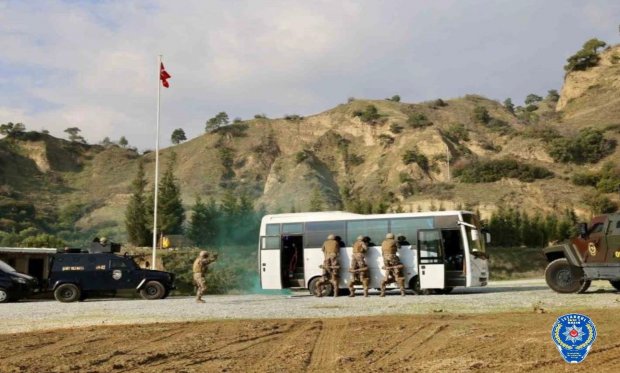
(593, 255)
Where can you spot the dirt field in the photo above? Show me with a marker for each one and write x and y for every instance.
(439, 342)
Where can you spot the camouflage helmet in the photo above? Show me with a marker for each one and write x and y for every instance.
(203, 254)
(103, 240)
(331, 237)
(389, 236)
(360, 238)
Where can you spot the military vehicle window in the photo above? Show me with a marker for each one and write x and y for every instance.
(273, 229)
(118, 264)
(616, 231)
(293, 228)
(317, 232)
(375, 229)
(408, 227)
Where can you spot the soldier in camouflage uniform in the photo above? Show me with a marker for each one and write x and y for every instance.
(331, 265)
(358, 267)
(392, 265)
(200, 270)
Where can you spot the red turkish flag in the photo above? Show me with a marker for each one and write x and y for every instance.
(163, 75)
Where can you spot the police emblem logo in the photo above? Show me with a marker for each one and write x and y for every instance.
(573, 335)
(117, 274)
(592, 248)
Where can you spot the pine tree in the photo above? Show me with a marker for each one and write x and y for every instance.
(171, 213)
(136, 215)
(203, 226)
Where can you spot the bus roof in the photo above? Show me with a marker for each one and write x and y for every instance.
(301, 217)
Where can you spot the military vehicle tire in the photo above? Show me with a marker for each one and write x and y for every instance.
(615, 284)
(414, 284)
(5, 296)
(153, 290)
(584, 286)
(563, 277)
(67, 293)
(327, 288)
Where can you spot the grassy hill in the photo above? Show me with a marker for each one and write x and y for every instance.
(377, 153)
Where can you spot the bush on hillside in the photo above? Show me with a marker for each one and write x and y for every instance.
(481, 115)
(370, 114)
(457, 132)
(395, 128)
(418, 120)
(495, 170)
(589, 146)
(414, 156)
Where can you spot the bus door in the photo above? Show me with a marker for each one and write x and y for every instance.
(270, 263)
(431, 267)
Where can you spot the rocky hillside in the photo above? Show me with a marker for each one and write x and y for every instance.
(365, 153)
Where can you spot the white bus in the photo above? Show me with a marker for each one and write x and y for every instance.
(441, 249)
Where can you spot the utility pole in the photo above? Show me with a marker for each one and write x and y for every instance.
(448, 160)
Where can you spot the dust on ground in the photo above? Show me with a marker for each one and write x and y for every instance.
(438, 342)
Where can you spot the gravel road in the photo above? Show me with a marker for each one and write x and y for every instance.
(501, 296)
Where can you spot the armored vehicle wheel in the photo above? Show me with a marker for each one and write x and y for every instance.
(67, 293)
(563, 277)
(153, 290)
(5, 296)
(584, 286)
(327, 288)
(615, 284)
(414, 284)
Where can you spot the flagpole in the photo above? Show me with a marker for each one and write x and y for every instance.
(155, 196)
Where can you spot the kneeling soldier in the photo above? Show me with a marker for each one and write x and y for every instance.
(392, 265)
(331, 265)
(358, 267)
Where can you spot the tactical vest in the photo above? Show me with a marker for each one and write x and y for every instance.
(331, 247)
(388, 247)
(359, 247)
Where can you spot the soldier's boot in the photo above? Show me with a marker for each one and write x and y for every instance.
(335, 286)
(401, 283)
(199, 299)
(351, 289)
(365, 283)
(382, 288)
(318, 290)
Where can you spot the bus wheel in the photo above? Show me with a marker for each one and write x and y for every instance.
(327, 289)
(615, 284)
(446, 290)
(414, 284)
(563, 277)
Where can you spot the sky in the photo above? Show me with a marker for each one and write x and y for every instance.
(93, 64)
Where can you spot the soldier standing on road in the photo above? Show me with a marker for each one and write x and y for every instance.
(200, 270)
(392, 265)
(331, 265)
(358, 267)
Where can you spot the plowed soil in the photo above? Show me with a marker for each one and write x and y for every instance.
(497, 342)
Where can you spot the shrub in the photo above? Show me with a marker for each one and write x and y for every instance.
(355, 159)
(418, 120)
(385, 140)
(414, 156)
(457, 132)
(589, 146)
(499, 125)
(396, 128)
(293, 117)
(599, 204)
(260, 116)
(301, 156)
(370, 114)
(395, 98)
(439, 103)
(494, 170)
(234, 130)
(481, 115)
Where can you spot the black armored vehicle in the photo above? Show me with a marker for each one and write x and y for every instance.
(77, 275)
